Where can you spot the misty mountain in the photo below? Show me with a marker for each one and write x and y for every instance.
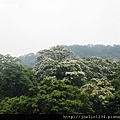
(1, 56)
(28, 59)
(102, 51)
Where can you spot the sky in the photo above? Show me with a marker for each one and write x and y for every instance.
(31, 25)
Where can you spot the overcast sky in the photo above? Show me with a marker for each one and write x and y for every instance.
(32, 25)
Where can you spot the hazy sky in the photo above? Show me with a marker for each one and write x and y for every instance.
(31, 25)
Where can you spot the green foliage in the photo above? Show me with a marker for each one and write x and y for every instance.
(98, 90)
(102, 51)
(45, 69)
(113, 104)
(53, 97)
(99, 68)
(18, 105)
(70, 69)
(48, 59)
(77, 70)
(63, 98)
(116, 78)
(59, 62)
(28, 60)
(83, 51)
(60, 83)
(57, 53)
(15, 80)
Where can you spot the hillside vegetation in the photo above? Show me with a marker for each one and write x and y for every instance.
(83, 51)
(60, 82)
(103, 51)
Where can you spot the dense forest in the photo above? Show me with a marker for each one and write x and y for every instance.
(62, 80)
(82, 51)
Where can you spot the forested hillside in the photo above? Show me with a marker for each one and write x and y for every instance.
(28, 59)
(103, 51)
(60, 82)
(82, 51)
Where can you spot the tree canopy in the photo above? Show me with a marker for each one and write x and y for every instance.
(53, 97)
(15, 80)
(59, 83)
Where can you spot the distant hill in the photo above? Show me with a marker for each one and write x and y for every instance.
(102, 51)
(82, 51)
(28, 59)
(1, 56)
